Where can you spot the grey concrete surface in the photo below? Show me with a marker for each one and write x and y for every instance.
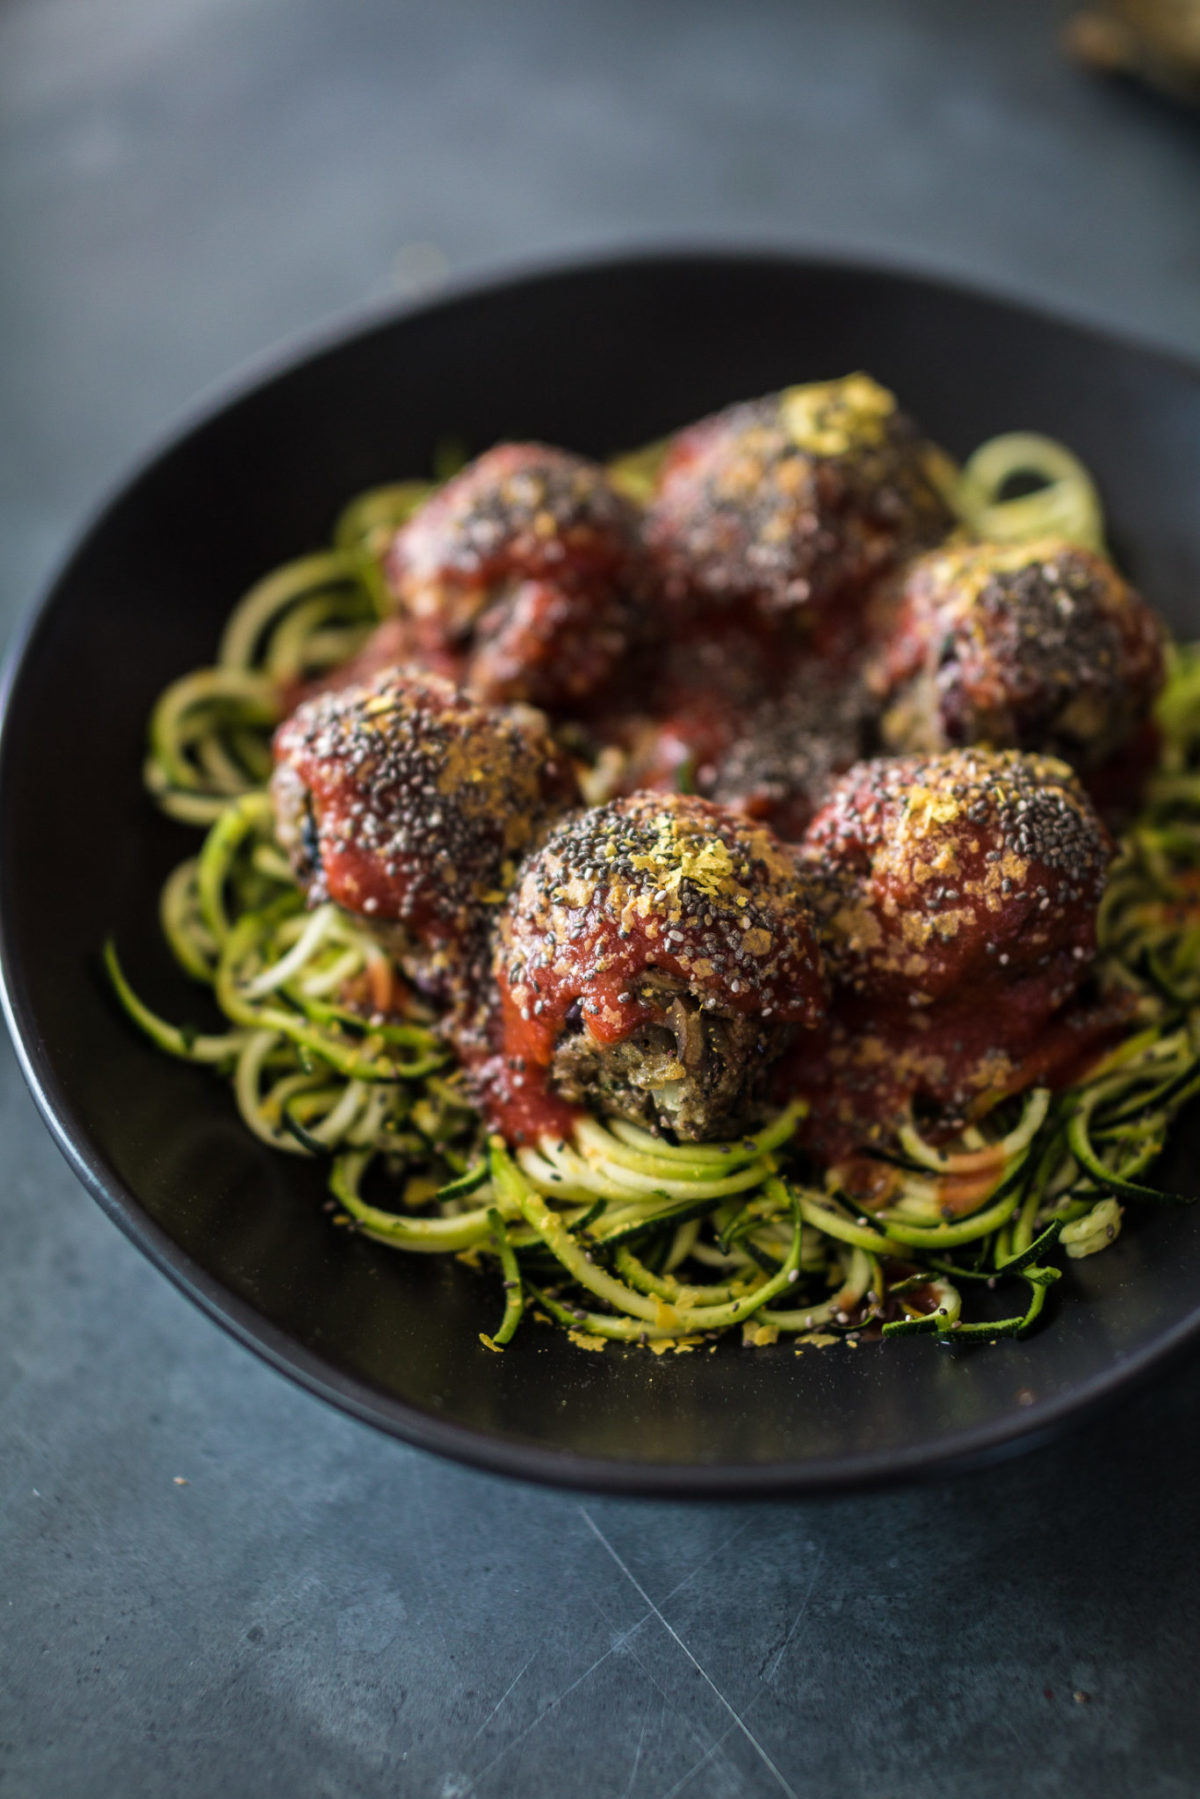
(208, 1582)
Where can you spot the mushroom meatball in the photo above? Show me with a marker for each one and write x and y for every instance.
(528, 565)
(957, 897)
(745, 715)
(1037, 646)
(407, 803)
(796, 502)
(654, 961)
(702, 685)
(786, 752)
(970, 878)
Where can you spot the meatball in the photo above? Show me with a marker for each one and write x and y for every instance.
(747, 717)
(968, 879)
(654, 961)
(786, 753)
(1036, 646)
(529, 566)
(795, 503)
(691, 706)
(407, 803)
(957, 899)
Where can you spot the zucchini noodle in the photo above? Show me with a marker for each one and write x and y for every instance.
(616, 1233)
(1063, 502)
(209, 739)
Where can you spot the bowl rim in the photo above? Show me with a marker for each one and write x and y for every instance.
(967, 1448)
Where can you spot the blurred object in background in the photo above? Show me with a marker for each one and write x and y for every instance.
(419, 269)
(1155, 40)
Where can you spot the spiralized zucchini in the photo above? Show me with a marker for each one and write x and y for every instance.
(617, 1234)
(1062, 503)
(209, 737)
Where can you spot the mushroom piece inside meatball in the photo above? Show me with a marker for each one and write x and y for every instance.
(528, 565)
(967, 881)
(797, 502)
(655, 959)
(1038, 646)
(409, 804)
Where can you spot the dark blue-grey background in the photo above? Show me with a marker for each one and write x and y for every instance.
(183, 183)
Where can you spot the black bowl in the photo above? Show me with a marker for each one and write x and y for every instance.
(598, 358)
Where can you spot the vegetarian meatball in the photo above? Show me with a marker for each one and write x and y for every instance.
(654, 961)
(529, 566)
(411, 805)
(786, 753)
(1036, 646)
(699, 687)
(748, 717)
(971, 877)
(957, 897)
(797, 502)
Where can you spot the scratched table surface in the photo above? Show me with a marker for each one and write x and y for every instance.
(208, 1581)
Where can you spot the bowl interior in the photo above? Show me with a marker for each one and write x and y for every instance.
(599, 359)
